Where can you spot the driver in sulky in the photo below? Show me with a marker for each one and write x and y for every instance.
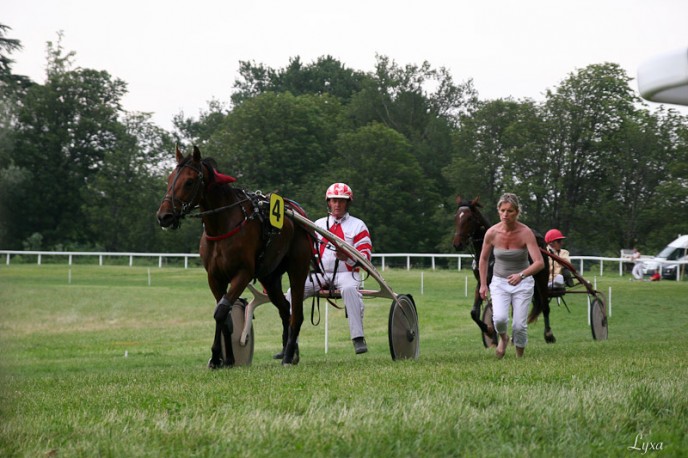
(340, 271)
(558, 274)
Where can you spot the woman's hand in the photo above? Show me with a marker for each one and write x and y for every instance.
(483, 291)
(514, 279)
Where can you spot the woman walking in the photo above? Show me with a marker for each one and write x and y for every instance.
(512, 282)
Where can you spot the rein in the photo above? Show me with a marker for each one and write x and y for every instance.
(192, 204)
(254, 198)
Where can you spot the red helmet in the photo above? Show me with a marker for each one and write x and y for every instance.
(339, 191)
(552, 235)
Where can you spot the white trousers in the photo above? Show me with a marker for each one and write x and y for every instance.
(348, 284)
(519, 297)
(557, 282)
(638, 271)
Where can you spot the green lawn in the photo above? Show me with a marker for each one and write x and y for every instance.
(111, 361)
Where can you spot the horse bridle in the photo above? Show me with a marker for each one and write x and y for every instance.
(472, 239)
(185, 207)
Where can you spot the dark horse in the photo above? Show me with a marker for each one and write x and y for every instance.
(237, 246)
(470, 229)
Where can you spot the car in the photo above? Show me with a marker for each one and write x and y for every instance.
(669, 270)
(675, 251)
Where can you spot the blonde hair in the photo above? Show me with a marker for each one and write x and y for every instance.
(509, 198)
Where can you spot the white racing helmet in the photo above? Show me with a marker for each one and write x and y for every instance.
(339, 191)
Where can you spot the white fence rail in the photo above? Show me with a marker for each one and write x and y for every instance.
(383, 259)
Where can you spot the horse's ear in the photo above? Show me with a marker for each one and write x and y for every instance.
(476, 202)
(458, 199)
(196, 154)
(178, 154)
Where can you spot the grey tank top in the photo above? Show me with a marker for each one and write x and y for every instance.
(509, 262)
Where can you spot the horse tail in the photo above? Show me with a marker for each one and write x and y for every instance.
(537, 307)
(540, 293)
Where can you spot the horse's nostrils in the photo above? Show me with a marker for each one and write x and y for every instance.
(167, 220)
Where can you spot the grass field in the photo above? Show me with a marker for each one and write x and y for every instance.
(111, 361)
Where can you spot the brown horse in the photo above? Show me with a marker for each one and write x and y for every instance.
(470, 229)
(239, 245)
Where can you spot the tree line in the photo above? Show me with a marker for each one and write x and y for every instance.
(78, 172)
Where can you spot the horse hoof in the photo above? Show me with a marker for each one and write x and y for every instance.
(214, 364)
(549, 337)
(490, 340)
(294, 361)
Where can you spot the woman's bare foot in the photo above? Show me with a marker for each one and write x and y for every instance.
(501, 347)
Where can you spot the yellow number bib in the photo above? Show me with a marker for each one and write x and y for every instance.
(276, 211)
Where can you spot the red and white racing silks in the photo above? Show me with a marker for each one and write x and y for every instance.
(350, 229)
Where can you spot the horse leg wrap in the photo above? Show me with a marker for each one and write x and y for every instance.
(222, 310)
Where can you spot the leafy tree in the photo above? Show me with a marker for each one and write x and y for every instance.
(425, 105)
(590, 160)
(663, 206)
(64, 129)
(391, 194)
(402, 98)
(583, 114)
(421, 103)
(528, 164)
(278, 142)
(481, 150)
(198, 132)
(7, 47)
(12, 178)
(120, 199)
(326, 75)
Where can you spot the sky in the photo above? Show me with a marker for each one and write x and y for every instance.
(176, 56)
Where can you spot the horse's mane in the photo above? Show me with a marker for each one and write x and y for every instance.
(470, 204)
(216, 177)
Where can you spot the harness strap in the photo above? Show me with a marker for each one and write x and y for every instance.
(313, 303)
(228, 234)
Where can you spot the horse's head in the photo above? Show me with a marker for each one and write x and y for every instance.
(185, 187)
(467, 221)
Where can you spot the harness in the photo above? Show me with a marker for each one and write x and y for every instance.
(258, 201)
(258, 213)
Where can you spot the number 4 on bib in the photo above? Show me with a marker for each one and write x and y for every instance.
(276, 211)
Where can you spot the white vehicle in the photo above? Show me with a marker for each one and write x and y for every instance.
(675, 251)
(664, 79)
